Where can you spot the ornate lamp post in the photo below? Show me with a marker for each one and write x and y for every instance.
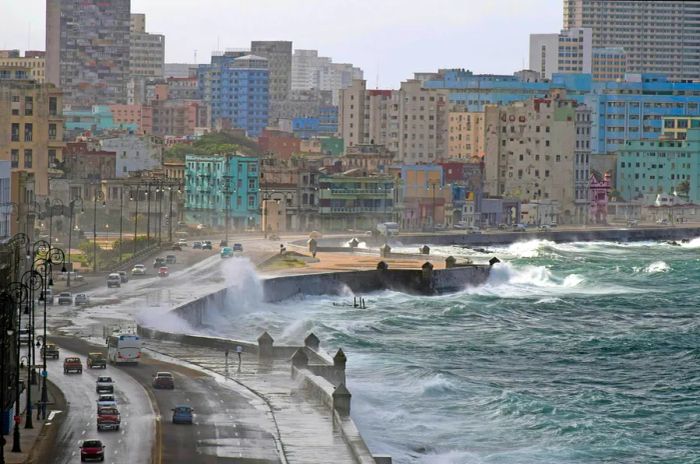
(76, 201)
(136, 216)
(99, 195)
(34, 282)
(18, 295)
(6, 332)
(48, 258)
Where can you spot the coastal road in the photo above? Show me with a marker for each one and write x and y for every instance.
(229, 425)
(133, 442)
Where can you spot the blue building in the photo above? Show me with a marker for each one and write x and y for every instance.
(324, 125)
(217, 186)
(97, 120)
(236, 88)
(631, 109)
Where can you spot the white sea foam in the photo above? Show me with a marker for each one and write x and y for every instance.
(436, 385)
(528, 249)
(694, 243)
(657, 266)
(509, 281)
(359, 245)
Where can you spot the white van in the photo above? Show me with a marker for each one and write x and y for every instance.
(388, 229)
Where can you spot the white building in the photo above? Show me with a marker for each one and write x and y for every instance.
(146, 51)
(570, 51)
(135, 153)
(310, 71)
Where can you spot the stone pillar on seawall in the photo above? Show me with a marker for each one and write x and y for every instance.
(341, 400)
(265, 347)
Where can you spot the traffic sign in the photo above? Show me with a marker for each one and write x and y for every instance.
(44, 374)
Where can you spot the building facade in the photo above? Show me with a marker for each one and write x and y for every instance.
(570, 51)
(279, 59)
(531, 154)
(87, 49)
(465, 134)
(609, 64)
(135, 153)
(34, 60)
(657, 36)
(235, 86)
(217, 186)
(31, 127)
(146, 51)
(652, 167)
(310, 71)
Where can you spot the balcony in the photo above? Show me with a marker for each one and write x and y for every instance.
(359, 209)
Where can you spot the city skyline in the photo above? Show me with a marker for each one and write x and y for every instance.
(365, 40)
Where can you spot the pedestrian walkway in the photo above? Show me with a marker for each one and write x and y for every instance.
(305, 426)
(29, 438)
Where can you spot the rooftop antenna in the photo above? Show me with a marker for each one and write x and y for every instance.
(195, 56)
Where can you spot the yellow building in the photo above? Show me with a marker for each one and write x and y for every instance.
(31, 125)
(34, 61)
(465, 134)
(676, 127)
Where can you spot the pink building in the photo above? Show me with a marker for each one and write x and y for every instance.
(599, 190)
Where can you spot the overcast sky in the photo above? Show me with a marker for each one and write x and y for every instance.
(388, 39)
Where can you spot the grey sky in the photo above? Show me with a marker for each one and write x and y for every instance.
(389, 38)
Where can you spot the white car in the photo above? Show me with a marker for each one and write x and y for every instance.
(106, 400)
(81, 299)
(104, 384)
(182, 242)
(138, 269)
(460, 225)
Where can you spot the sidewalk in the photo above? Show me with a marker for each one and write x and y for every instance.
(305, 426)
(34, 442)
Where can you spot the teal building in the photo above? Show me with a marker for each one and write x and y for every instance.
(660, 166)
(221, 186)
(97, 120)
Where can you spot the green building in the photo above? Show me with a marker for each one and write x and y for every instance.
(660, 166)
(355, 200)
(221, 186)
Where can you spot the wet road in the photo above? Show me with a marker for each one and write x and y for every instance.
(131, 443)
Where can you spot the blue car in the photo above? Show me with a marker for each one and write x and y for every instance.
(226, 252)
(182, 414)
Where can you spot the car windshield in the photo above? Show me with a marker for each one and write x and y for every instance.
(183, 409)
(164, 375)
(92, 444)
(104, 379)
(111, 411)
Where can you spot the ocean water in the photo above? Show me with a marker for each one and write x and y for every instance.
(570, 353)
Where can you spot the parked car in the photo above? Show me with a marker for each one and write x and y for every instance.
(237, 248)
(202, 227)
(164, 380)
(104, 384)
(662, 221)
(163, 271)
(92, 450)
(123, 276)
(182, 414)
(632, 223)
(108, 418)
(502, 226)
(170, 259)
(473, 230)
(96, 360)
(226, 252)
(460, 225)
(196, 245)
(65, 298)
(50, 351)
(114, 280)
(108, 400)
(182, 242)
(176, 247)
(206, 245)
(519, 227)
(72, 364)
(81, 299)
(158, 262)
(138, 269)
(545, 227)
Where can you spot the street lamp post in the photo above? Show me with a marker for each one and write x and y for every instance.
(99, 195)
(34, 282)
(136, 217)
(48, 257)
(18, 294)
(121, 220)
(148, 214)
(70, 234)
(6, 332)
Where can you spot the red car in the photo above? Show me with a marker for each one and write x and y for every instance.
(108, 418)
(163, 271)
(92, 450)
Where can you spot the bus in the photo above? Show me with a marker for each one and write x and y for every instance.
(388, 229)
(123, 348)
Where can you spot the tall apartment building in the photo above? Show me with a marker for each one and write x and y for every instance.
(279, 58)
(369, 117)
(569, 51)
(310, 71)
(609, 64)
(87, 49)
(34, 60)
(235, 87)
(531, 154)
(657, 36)
(466, 133)
(423, 123)
(146, 51)
(31, 125)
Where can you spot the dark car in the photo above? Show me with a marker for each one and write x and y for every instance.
(237, 247)
(176, 247)
(206, 245)
(123, 276)
(170, 259)
(92, 450)
(104, 384)
(196, 245)
(65, 298)
(164, 380)
(158, 262)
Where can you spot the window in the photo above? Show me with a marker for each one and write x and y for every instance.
(28, 132)
(558, 158)
(14, 158)
(251, 201)
(15, 132)
(52, 158)
(251, 184)
(53, 106)
(28, 106)
(28, 159)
